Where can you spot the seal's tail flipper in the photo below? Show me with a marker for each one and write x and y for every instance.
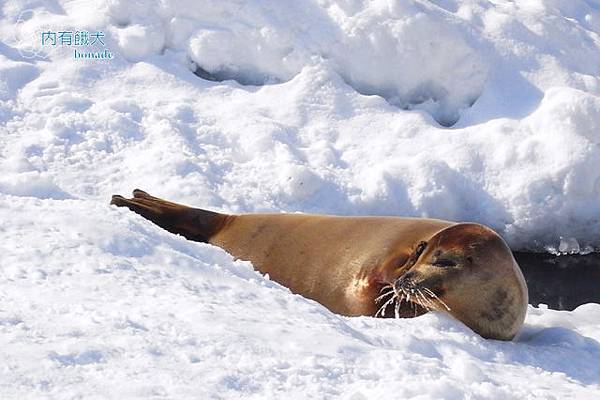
(192, 223)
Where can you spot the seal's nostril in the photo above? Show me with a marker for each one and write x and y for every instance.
(408, 276)
(405, 282)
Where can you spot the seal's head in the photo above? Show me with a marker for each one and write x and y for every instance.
(468, 271)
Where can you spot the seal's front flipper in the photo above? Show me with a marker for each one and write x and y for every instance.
(192, 223)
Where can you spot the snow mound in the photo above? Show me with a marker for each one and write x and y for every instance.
(334, 107)
(415, 54)
(378, 50)
(93, 294)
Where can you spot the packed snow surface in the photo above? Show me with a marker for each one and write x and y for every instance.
(485, 111)
(96, 302)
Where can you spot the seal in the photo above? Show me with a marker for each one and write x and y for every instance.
(374, 266)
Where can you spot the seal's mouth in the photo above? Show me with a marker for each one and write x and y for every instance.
(405, 289)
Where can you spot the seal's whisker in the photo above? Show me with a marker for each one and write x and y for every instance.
(401, 295)
(397, 310)
(419, 298)
(382, 309)
(399, 300)
(429, 293)
(430, 302)
(386, 287)
(380, 298)
(425, 302)
(383, 296)
(414, 307)
(379, 312)
(425, 297)
(393, 299)
(436, 298)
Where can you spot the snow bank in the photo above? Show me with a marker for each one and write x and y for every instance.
(324, 106)
(98, 302)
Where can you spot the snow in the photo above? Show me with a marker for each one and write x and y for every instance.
(485, 111)
(349, 102)
(106, 304)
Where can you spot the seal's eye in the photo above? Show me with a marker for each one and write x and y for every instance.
(442, 262)
(420, 248)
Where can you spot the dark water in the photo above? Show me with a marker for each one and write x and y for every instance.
(561, 282)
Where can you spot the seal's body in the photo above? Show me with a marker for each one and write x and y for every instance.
(341, 262)
(367, 265)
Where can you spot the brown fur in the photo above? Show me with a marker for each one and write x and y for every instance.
(344, 262)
